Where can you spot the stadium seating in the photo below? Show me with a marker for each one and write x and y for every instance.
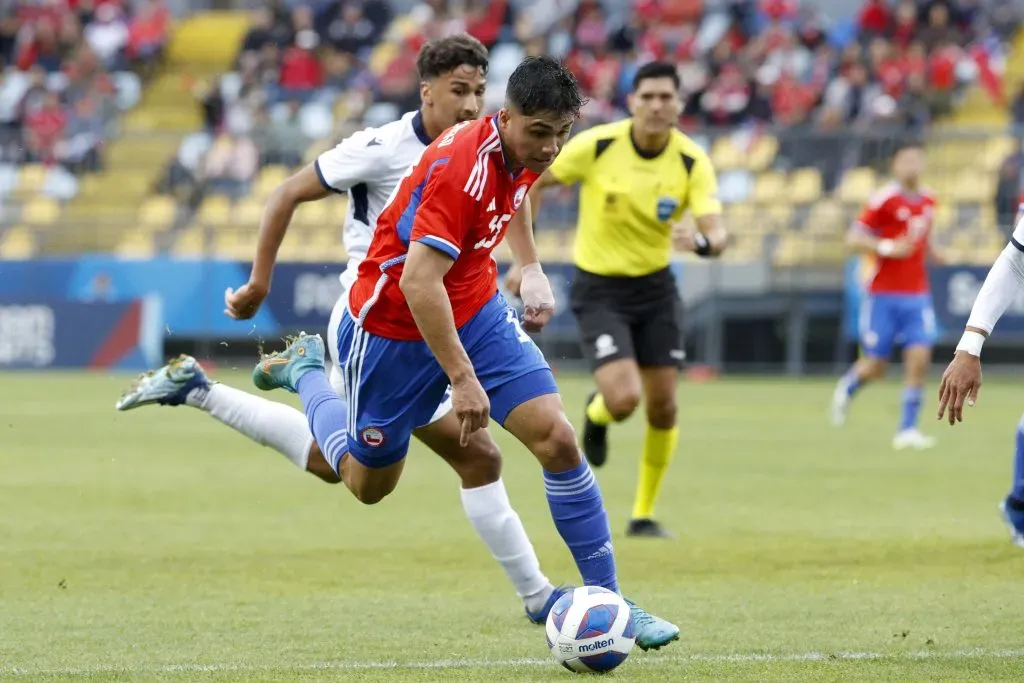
(151, 195)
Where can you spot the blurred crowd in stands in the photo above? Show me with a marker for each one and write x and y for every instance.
(310, 71)
(313, 71)
(69, 68)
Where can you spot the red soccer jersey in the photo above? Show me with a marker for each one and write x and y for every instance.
(458, 199)
(893, 213)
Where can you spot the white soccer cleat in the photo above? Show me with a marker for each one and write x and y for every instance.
(912, 438)
(840, 405)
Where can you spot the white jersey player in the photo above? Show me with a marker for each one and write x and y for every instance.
(962, 378)
(368, 166)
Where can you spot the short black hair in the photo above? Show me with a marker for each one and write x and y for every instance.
(656, 70)
(544, 85)
(442, 56)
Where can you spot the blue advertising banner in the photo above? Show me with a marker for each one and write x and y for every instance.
(53, 333)
(192, 292)
(954, 289)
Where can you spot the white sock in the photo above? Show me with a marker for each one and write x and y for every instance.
(266, 422)
(499, 526)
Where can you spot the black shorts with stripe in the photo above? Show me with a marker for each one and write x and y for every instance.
(629, 317)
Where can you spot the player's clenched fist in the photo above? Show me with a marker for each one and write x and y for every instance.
(538, 300)
(960, 382)
(471, 406)
(243, 303)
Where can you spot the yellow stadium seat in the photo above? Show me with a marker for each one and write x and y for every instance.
(190, 243)
(805, 185)
(17, 243)
(739, 217)
(381, 58)
(973, 185)
(248, 212)
(136, 244)
(997, 149)
(780, 215)
(769, 187)
(269, 178)
(215, 211)
(792, 250)
(234, 244)
(945, 215)
(31, 178)
(157, 212)
(763, 153)
(40, 211)
(857, 185)
(313, 214)
(826, 218)
(725, 155)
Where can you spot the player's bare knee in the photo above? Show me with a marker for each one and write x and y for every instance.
(370, 494)
(622, 404)
(662, 414)
(557, 451)
(482, 466)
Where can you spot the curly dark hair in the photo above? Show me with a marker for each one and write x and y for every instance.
(544, 85)
(442, 56)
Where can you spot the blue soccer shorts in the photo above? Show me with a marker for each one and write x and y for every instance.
(394, 387)
(890, 319)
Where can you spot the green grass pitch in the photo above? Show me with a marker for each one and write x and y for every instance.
(158, 545)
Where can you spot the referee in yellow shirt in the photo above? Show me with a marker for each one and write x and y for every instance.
(638, 177)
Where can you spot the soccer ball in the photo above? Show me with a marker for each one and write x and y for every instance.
(590, 629)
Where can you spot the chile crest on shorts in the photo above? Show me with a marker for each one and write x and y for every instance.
(666, 207)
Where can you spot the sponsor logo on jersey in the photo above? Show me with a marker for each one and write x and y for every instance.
(372, 436)
(517, 200)
(666, 207)
(596, 645)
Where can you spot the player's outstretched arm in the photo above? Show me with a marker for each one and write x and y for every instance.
(962, 379)
(422, 283)
(304, 186)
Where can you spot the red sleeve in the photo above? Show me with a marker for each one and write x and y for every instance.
(871, 218)
(446, 211)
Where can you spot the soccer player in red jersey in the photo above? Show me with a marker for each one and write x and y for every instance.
(425, 313)
(894, 232)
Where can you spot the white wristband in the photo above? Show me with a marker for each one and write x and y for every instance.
(971, 342)
(886, 247)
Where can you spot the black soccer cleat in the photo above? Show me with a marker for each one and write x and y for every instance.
(646, 528)
(595, 438)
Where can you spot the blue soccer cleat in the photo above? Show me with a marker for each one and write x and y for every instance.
(541, 615)
(652, 632)
(1014, 519)
(282, 369)
(168, 386)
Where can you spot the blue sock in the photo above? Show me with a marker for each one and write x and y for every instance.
(578, 510)
(1017, 492)
(851, 382)
(327, 413)
(911, 407)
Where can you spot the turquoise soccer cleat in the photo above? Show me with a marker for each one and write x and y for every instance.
(282, 369)
(652, 632)
(168, 386)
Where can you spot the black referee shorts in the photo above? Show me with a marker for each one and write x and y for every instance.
(629, 317)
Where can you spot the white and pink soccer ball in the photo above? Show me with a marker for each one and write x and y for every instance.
(590, 630)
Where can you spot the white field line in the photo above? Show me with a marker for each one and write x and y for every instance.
(641, 660)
